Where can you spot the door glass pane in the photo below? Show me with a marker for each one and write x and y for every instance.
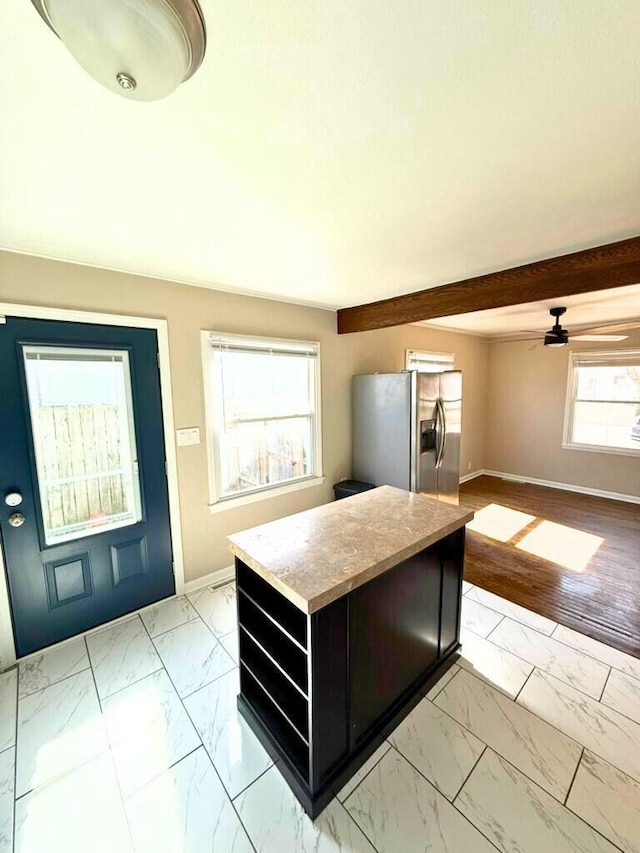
(84, 440)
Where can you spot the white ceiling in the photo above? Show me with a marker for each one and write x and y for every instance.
(333, 153)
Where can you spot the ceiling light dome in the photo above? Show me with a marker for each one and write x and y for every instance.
(142, 49)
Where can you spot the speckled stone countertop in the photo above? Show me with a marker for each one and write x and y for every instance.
(317, 556)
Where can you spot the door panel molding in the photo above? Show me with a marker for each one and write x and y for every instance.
(35, 312)
(68, 580)
(129, 559)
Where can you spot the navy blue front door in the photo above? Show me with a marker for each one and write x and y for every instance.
(84, 510)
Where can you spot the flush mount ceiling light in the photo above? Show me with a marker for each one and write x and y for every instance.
(142, 49)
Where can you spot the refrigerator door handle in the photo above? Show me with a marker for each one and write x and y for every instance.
(442, 418)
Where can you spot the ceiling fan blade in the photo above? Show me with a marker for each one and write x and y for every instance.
(611, 329)
(511, 339)
(601, 338)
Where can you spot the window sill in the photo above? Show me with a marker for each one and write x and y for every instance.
(596, 448)
(254, 497)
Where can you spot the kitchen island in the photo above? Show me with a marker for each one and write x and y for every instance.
(347, 613)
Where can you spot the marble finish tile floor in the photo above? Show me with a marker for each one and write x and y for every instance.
(552, 656)
(129, 739)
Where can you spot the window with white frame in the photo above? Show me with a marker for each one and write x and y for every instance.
(263, 414)
(428, 362)
(603, 402)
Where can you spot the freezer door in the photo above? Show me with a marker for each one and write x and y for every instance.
(451, 414)
(381, 407)
(429, 435)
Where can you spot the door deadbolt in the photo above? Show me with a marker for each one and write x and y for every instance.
(13, 499)
(17, 519)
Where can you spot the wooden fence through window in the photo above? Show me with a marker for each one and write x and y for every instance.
(81, 459)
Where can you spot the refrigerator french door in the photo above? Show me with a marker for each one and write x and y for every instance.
(406, 431)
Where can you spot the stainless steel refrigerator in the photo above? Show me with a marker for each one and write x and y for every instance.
(406, 431)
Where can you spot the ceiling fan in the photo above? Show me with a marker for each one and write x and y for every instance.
(557, 336)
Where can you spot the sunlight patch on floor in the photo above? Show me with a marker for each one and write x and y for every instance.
(499, 522)
(564, 546)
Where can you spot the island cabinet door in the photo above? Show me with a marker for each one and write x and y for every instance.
(394, 632)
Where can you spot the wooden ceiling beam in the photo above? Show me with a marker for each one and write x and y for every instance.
(601, 268)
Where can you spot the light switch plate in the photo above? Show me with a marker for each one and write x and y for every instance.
(185, 437)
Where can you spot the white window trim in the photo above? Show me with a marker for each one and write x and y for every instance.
(575, 359)
(222, 504)
(445, 358)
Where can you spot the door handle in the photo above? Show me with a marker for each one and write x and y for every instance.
(17, 519)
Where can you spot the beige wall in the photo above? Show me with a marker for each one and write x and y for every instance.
(188, 310)
(525, 418)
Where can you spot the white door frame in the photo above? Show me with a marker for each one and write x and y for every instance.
(7, 644)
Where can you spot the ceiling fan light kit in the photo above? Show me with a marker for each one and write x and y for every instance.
(141, 49)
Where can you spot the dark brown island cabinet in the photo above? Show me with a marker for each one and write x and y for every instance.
(348, 614)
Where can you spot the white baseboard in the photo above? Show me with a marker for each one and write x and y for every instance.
(472, 475)
(566, 487)
(218, 578)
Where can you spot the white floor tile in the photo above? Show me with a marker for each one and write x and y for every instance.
(608, 800)
(81, 811)
(8, 704)
(121, 655)
(400, 811)
(574, 668)
(230, 643)
(148, 729)
(599, 651)
(622, 693)
(357, 777)
(167, 615)
(517, 815)
(478, 618)
(514, 611)
(235, 751)
(466, 587)
(446, 678)
(497, 667)
(276, 822)
(41, 670)
(193, 657)
(186, 809)
(217, 606)
(602, 730)
(59, 728)
(439, 747)
(536, 748)
(7, 772)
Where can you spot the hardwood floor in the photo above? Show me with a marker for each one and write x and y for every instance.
(589, 576)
